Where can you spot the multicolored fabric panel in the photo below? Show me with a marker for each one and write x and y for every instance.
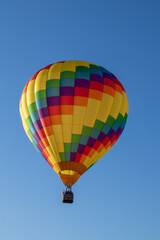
(73, 112)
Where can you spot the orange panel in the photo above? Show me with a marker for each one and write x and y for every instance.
(95, 94)
(55, 119)
(80, 101)
(67, 109)
(108, 90)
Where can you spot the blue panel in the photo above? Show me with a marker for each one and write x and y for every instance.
(82, 75)
(67, 82)
(115, 126)
(41, 103)
(34, 116)
(123, 125)
(67, 156)
(32, 128)
(84, 139)
(95, 133)
(74, 147)
(106, 129)
(96, 71)
(51, 92)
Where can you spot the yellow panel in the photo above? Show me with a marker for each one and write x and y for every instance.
(67, 132)
(117, 101)
(25, 126)
(24, 106)
(49, 150)
(126, 100)
(105, 107)
(30, 92)
(124, 104)
(66, 119)
(127, 107)
(87, 162)
(55, 71)
(40, 83)
(82, 63)
(77, 129)
(78, 119)
(79, 110)
(91, 112)
(69, 66)
(51, 139)
(68, 172)
(57, 129)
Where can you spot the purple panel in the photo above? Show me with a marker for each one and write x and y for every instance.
(119, 131)
(97, 78)
(67, 91)
(107, 75)
(37, 137)
(53, 101)
(81, 148)
(101, 137)
(111, 133)
(91, 142)
(43, 112)
(82, 83)
(40, 149)
(73, 156)
(38, 125)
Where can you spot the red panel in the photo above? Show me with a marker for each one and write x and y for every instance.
(87, 150)
(96, 145)
(45, 121)
(41, 144)
(80, 91)
(41, 133)
(66, 100)
(54, 110)
(96, 85)
(108, 82)
(118, 83)
(78, 157)
(106, 140)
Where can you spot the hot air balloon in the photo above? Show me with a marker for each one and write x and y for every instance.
(73, 112)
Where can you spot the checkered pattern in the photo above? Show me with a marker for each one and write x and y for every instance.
(73, 112)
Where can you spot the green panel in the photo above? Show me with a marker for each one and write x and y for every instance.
(29, 121)
(119, 118)
(82, 69)
(98, 125)
(125, 117)
(53, 83)
(76, 138)
(30, 134)
(110, 121)
(40, 94)
(62, 156)
(32, 108)
(67, 74)
(86, 131)
(67, 147)
(94, 66)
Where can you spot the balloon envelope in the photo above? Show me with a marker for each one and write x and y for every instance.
(73, 112)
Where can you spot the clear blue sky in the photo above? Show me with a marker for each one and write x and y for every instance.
(124, 203)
